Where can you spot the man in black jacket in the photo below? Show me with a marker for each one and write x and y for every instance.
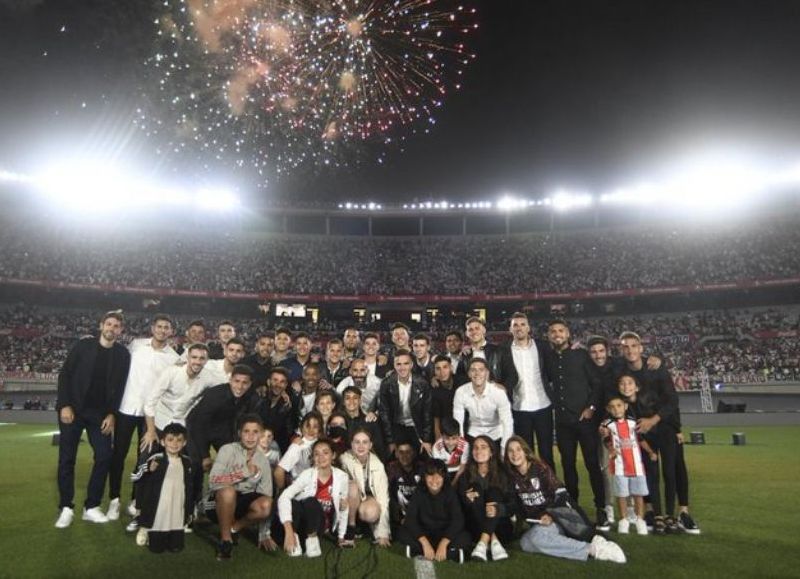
(576, 398)
(90, 387)
(277, 408)
(213, 421)
(480, 348)
(405, 406)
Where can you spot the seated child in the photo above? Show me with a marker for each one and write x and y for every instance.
(452, 448)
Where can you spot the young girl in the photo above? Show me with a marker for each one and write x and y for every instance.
(536, 489)
(325, 404)
(315, 503)
(483, 490)
(434, 523)
(298, 455)
(164, 493)
(369, 489)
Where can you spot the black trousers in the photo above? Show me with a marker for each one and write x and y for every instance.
(569, 436)
(681, 478)
(308, 518)
(460, 541)
(68, 453)
(477, 521)
(538, 423)
(160, 541)
(124, 427)
(665, 443)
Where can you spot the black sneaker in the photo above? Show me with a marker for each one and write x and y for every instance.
(650, 520)
(687, 525)
(659, 525)
(455, 555)
(671, 526)
(602, 521)
(224, 550)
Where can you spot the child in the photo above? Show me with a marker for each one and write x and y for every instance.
(405, 475)
(298, 456)
(315, 503)
(434, 524)
(625, 462)
(240, 482)
(164, 492)
(269, 447)
(452, 448)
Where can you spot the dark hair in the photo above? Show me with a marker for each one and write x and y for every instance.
(435, 466)
(632, 335)
(226, 323)
(279, 370)
(455, 333)
(557, 321)
(474, 361)
(198, 346)
(440, 358)
(361, 430)
(372, 335)
(299, 335)
(450, 426)
(520, 316)
(334, 341)
(403, 352)
(326, 394)
(497, 474)
(283, 330)
(327, 442)
(595, 340)
(352, 390)
(527, 451)
(311, 415)
(200, 323)
(242, 369)
(615, 397)
(175, 429)
(265, 334)
(235, 341)
(116, 314)
(247, 419)
(397, 325)
(161, 318)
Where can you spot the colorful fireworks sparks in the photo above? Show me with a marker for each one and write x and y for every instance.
(283, 83)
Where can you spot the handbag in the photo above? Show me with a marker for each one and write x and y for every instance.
(573, 522)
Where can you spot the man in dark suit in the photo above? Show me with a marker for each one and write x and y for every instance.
(90, 388)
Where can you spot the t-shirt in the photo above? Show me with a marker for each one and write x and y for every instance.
(96, 395)
(325, 500)
(453, 459)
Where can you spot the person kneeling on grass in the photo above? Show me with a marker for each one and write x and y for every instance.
(369, 489)
(537, 489)
(315, 503)
(164, 493)
(241, 485)
(434, 523)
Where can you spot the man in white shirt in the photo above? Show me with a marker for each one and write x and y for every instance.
(486, 403)
(149, 357)
(364, 381)
(220, 370)
(377, 363)
(531, 407)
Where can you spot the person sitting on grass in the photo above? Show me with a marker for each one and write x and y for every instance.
(483, 490)
(314, 504)
(240, 482)
(164, 493)
(434, 524)
(452, 448)
(625, 463)
(369, 489)
(404, 474)
(537, 489)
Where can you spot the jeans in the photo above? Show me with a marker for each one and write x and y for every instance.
(68, 452)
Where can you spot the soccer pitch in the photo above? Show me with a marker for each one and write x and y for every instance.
(745, 499)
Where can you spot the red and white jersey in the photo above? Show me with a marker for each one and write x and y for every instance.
(628, 461)
(453, 459)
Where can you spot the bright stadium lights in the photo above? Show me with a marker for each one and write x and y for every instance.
(641, 194)
(564, 201)
(11, 177)
(217, 199)
(507, 203)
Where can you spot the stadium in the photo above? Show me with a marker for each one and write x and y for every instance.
(270, 229)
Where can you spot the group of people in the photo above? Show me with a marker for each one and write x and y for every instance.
(395, 443)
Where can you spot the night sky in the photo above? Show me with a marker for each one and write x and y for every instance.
(563, 93)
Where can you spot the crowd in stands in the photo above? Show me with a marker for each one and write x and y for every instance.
(732, 346)
(563, 262)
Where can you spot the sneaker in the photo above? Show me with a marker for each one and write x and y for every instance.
(456, 555)
(659, 526)
(113, 510)
(641, 526)
(132, 510)
(224, 551)
(498, 552)
(409, 554)
(479, 552)
(132, 526)
(610, 514)
(671, 526)
(685, 523)
(313, 548)
(602, 521)
(187, 529)
(298, 550)
(65, 518)
(94, 515)
(234, 537)
(141, 537)
(650, 520)
(607, 551)
(624, 526)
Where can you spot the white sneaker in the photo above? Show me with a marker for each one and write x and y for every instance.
(498, 552)
(641, 526)
(479, 552)
(141, 537)
(94, 515)
(65, 518)
(113, 510)
(132, 526)
(298, 550)
(313, 548)
(132, 510)
(610, 514)
(606, 550)
(624, 526)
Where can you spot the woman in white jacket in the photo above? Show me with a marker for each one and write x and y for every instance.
(369, 489)
(315, 503)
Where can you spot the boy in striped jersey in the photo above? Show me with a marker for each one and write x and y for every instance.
(625, 462)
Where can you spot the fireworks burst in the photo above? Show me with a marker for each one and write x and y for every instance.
(281, 83)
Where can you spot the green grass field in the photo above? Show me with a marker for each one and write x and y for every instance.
(745, 499)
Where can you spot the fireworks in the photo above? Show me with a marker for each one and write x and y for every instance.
(281, 83)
